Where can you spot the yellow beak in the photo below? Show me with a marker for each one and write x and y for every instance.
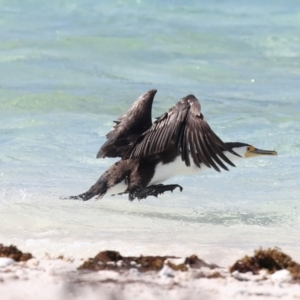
(258, 152)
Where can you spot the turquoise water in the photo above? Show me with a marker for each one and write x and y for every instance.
(69, 68)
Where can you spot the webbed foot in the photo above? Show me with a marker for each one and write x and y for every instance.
(153, 190)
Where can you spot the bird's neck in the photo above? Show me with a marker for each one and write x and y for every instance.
(237, 148)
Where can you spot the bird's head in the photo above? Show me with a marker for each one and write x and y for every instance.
(248, 151)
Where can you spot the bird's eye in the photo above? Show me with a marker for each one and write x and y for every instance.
(248, 148)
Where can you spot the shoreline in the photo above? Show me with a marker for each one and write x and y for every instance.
(114, 276)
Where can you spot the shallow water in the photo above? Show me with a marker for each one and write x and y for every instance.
(69, 69)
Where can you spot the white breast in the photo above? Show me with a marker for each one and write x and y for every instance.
(178, 167)
(164, 172)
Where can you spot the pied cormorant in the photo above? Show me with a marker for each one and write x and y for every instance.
(179, 142)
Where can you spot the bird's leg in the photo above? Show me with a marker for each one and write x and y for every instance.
(153, 190)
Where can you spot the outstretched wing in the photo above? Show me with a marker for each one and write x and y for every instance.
(185, 128)
(129, 127)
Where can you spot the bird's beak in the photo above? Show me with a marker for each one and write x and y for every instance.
(258, 152)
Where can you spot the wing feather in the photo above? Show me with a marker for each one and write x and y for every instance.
(185, 127)
(199, 151)
(217, 159)
(129, 127)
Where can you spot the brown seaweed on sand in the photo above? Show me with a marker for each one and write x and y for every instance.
(271, 260)
(112, 260)
(14, 253)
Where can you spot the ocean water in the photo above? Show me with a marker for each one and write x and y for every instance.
(69, 68)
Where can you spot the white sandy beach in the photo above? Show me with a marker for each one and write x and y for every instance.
(58, 278)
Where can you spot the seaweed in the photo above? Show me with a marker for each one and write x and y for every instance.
(112, 260)
(271, 259)
(14, 253)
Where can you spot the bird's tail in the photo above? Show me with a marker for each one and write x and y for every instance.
(98, 189)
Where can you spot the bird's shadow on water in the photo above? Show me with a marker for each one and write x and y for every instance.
(214, 217)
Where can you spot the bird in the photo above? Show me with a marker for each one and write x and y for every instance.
(179, 142)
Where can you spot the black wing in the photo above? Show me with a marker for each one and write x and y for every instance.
(185, 128)
(129, 127)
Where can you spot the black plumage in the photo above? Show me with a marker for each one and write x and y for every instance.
(183, 127)
(129, 127)
(142, 145)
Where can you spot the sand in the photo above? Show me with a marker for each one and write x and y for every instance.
(109, 277)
